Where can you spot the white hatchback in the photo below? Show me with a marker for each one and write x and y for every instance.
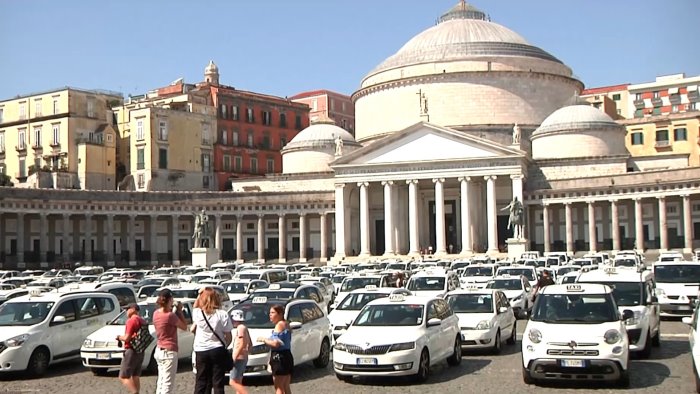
(398, 336)
(694, 345)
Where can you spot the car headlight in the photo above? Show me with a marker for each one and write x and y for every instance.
(402, 346)
(516, 299)
(660, 292)
(259, 349)
(535, 335)
(339, 328)
(612, 337)
(17, 341)
(89, 343)
(340, 346)
(634, 320)
(483, 325)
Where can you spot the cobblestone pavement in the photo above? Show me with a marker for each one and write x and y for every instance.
(668, 370)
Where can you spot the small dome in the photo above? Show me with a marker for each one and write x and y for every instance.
(578, 131)
(320, 133)
(314, 148)
(211, 68)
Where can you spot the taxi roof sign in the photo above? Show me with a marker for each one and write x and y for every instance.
(371, 287)
(610, 270)
(397, 298)
(275, 286)
(259, 300)
(35, 292)
(574, 288)
(472, 287)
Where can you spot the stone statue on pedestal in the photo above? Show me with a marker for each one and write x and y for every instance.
(516, 134)
(515, 220)
(201, 233)
(338, 146)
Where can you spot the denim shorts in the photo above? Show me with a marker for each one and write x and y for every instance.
(238, 369)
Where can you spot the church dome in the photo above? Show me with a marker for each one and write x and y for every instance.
(578, 131)
(315, 147)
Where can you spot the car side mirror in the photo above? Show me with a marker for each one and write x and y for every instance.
(143, 296)
(59, 319)
(503, 309)
(687, 320)
(627, 314)
(434, 322)
(523, 314)
(295, 325)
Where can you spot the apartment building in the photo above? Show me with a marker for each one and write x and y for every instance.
(325, 104)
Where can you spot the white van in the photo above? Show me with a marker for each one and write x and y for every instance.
(677, 284)
(30, 326)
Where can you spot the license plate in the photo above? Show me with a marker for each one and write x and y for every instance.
(366, 361)
(103, 356)
(573, 363)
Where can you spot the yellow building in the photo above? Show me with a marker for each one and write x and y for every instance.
(668, 141)
(613, 100)
(166, 141)
(59, 139)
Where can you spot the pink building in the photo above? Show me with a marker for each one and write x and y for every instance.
(332, 105)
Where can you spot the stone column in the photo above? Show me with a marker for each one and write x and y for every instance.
(388, 219)
(261, 239)
(217, 235)
(239, 238)
(21, 238)
(569, 228)
(174, 236)
(615, 226)
(413, 239)
(282, 234)
(466, 215)
(491, 221)
(2, 234)
(43, 236)
(364, 219)
(687, 225)
(66, 237)
(109, 240)
(302, 238)
(545, 224)
(340, 221)
(132, 239)
(440, 247)
(88, 239)
(517, 186)
(663, 225)
(592, 237)
(324, 237)
(638, 225)
(154, 240)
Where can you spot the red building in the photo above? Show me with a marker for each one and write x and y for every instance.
(252, 129)
(325, 104)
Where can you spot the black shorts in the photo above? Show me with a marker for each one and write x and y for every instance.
(282, 363)
(131, 364)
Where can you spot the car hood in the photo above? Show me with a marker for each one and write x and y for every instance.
(105, 336)
(341, 318)
(428, 293)
(371, 336)
(510, 294)
(580, 333)
(8, 332)
(472, 319)
(475, 279)
(237, 297)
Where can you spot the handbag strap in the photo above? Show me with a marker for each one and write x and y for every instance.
(212, 330)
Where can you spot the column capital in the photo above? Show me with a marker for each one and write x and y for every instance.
(637, 199)
(685, 196)
(545, 204)
(154, 216)
(438, 180)
(302, 214)
(339, 185)
(590, 202)
(361, 184)
(614, 201)
(281, 215)
(260, 216)
(661, 198)
(567, 203)
(464, 178)
(389, 183)
(517, 176)
(132, 216)
(412, 181)
(489, 177)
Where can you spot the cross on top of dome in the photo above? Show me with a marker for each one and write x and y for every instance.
(463, 11)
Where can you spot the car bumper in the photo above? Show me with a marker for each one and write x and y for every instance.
(14, 359)
(676, 309)
(477, 339)
(594, 369)
(399, 363)
(102, 358)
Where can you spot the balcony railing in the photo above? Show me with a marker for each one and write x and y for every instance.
(662, 144)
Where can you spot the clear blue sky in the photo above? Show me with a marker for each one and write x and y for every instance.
(286, 47)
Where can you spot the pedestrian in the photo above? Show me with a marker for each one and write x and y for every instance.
(212, 335)
(280, 343)
(166, 323)
(242, 344)
(130, 367)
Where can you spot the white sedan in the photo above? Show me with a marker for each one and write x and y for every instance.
(694, 345)
(486, 318)
(100, 351)
(399, 336)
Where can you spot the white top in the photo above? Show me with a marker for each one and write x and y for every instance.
(204, 339)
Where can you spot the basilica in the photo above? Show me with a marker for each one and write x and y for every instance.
(461, 121)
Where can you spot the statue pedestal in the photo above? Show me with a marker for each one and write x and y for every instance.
(516, 247)
(204, 257)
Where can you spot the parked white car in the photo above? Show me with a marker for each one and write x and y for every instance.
(517, 289)
(399, 336)
(694, 345)
(432, 283)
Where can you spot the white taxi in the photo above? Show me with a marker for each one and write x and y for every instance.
(517, 289)
(575, 332)
(41, 329)
(359, 281)
(694, 345)
(486, 318)
(397, 336)
(677, 286)
(478, 274)
(432, 283)
(100, 351)
(349, 307)
(634, 291)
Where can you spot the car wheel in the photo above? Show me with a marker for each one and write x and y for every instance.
(624, 381)
(527, 379)
(99, 371)
(38, 362)
(656, 340)
(511, 340)
(456, 358)
(323, 355)
(423, 367)
(496, 349)
(646, 353)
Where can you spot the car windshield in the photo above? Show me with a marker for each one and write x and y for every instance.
(238, 288)
(338, 279)
(625, 293)
(199, 278)
(249, 276)
(505, 284)
(185, 293)
(575, 308)
(676, 273)
(292, 276)
(191, 270)
(350, 284)
(50, 274)
(256, 315)
(471, 303)
(147, 291)
(150, 281)
(355, 302)
(24, 313)
(278, 294)
(529, 273)
(145, 311)
(426, 283)
(390, 315)
(566, 270)
(396, 266)
(478, 271)
(625, 263)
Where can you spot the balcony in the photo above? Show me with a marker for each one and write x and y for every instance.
(660, 144)
(55, 144)
(21, 149)
(639, 103)
(37, 147)
(656, 102)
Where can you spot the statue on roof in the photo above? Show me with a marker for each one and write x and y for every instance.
(338, 146)
(516, 134)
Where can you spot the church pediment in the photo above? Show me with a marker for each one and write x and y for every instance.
(424, 142)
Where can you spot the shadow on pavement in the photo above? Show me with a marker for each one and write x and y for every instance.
(668, 350)
(60, 369)
(643, 374)
(440, 373)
